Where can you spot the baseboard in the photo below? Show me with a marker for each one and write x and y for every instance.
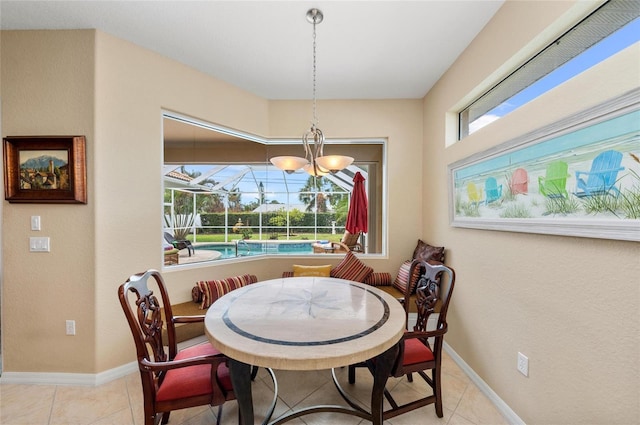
(80, 379)
(502, 407)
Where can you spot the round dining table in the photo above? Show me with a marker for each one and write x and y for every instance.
(306, 323)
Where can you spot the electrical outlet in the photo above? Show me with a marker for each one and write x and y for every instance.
(71, 327)
(523, 364)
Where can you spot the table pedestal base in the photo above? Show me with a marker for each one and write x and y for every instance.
(241, 380)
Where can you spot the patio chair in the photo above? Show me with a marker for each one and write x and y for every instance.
(492, 190)
(519, 183)
(421, 346)
(602, 177)
(474, 193)
(349, 242)
(554, 183)
(179, 243)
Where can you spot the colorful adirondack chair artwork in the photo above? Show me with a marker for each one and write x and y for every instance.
(474, 193)
(554, 183)
(602, 177)
(519, 182)
(492, 190)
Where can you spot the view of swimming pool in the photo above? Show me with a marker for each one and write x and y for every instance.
(246, 248)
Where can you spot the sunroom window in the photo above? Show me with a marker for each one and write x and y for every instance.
(223, 195)
(611, 28)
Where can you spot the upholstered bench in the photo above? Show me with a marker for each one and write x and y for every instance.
(351, 268)
(185, 331)
(203, 294)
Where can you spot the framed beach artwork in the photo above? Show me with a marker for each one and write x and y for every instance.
(45, 169)
(578, 177)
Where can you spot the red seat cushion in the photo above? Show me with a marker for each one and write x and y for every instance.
(416, 352)
(193, 380)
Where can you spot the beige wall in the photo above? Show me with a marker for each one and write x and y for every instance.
(117, 233)
(47, 88)
(570, 304)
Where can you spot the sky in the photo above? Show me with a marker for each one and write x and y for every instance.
(619, 40)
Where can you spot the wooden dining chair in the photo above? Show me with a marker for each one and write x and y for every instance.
(421, 345)
(195, 376)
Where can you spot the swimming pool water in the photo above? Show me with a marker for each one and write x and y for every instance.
(246, 248)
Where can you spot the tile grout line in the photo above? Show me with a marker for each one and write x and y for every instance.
(53, 402)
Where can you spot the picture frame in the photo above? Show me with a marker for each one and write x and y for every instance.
(45, 169)
(579, 176)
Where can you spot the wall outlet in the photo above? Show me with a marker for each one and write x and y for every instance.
(71, 327)
(523, 364)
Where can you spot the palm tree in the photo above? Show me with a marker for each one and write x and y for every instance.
(235, 202)
(319, 191)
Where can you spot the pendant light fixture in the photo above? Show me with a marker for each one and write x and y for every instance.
(314, 161)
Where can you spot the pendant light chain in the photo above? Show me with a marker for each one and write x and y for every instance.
(315, 118)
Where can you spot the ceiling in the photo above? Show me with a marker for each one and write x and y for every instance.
(365, 49)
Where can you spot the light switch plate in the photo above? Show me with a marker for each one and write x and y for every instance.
(35, 222)
(39, 244)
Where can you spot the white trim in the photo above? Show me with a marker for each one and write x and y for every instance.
(511, 417)
(81, 379)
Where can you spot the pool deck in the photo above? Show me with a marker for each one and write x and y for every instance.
(198, 256)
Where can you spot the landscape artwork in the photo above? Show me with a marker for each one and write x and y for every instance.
(578, 177)
(44, 169)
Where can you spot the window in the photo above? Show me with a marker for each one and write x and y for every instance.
(610, 29)
(223, 195)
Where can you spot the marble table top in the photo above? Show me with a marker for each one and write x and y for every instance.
(305, 323)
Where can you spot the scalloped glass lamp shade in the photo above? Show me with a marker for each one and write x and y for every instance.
(289, 164)
(334, 163)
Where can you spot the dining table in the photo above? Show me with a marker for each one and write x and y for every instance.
(307, 323)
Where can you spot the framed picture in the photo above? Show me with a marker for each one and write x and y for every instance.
(579, 177)
(45, 169)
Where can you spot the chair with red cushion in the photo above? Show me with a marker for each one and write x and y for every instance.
(421, 346)
(194, 376)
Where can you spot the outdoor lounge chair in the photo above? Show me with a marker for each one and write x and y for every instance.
(474, 193)
(554, 183)
(602, 177)
(350, 240)
(179, 243)
(519, 182)
(492, 190)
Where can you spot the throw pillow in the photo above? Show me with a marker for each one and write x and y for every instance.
(426, 252)
(403, 279)
(322, 271)
(378, 279)
(214, 289)
(351, 268)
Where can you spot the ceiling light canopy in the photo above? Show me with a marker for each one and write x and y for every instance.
(314, 161)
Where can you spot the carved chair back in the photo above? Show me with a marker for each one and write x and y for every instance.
(433, 293)
(143, 313)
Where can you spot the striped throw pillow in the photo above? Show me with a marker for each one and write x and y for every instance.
(402, 280)
(351, 268)
(378, 279)
(214, 289)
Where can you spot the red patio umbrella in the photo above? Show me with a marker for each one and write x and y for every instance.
(357, 218)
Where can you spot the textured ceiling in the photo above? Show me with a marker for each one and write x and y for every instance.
(366, 49)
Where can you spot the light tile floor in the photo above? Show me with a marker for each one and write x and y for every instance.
(120, 402)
